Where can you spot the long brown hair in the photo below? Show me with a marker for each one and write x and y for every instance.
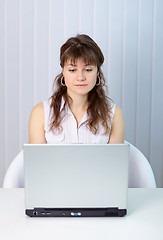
(99, 105)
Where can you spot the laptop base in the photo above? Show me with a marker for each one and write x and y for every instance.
(76, 212)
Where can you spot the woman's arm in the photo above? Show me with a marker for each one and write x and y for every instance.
(118, 129)
(36, 125)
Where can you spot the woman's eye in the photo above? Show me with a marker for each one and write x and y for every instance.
(71, 70)
(88, 69)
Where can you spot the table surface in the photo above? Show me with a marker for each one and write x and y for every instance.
(143, 221)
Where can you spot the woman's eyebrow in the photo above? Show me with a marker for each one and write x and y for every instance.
(71, 64)
(74, 65)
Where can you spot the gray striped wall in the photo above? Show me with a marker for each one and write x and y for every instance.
(130, 34)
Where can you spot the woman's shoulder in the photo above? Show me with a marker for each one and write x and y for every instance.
(37, 112)
(36, 124)
(118, 119)
(38, 108)
(118, 111)
(115, 109)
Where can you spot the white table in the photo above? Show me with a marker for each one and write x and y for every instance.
(143, 222)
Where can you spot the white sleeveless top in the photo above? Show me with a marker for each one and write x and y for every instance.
(72, 134)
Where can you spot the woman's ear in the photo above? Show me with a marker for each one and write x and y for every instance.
(62, 71)
(98, 72)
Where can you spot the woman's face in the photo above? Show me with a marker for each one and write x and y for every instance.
(80, 78)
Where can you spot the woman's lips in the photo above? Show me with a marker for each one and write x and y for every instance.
(81, 85)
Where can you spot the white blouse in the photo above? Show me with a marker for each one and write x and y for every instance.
(73, 134)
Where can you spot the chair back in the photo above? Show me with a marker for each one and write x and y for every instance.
(14, 177)
(140, 171)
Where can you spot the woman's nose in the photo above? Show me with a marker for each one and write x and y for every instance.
(81, 76)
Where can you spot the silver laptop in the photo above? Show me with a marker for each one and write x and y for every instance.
(76, 180)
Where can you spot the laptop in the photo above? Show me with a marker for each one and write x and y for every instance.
(76, 180)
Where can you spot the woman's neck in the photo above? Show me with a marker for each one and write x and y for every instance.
(78, 106)
(78, 102)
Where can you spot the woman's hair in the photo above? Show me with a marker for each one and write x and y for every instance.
(99, 106)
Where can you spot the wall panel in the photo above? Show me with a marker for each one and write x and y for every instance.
(86, 16)
(26, 65)
(101, 23)
(71, 18)
(56, 38)
(156, 143)
(41, 50)
(2, 91)
(129, 75)
(144, 75)
(115, 49)
(11, 79)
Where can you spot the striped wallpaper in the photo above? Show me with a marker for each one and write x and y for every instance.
(130, 35)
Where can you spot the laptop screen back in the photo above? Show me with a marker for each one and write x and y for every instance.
(63, 176)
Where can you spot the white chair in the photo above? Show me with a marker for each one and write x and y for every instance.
(140, 171)
(14, 177)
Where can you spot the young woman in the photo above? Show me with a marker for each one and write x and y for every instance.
(79, 110)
